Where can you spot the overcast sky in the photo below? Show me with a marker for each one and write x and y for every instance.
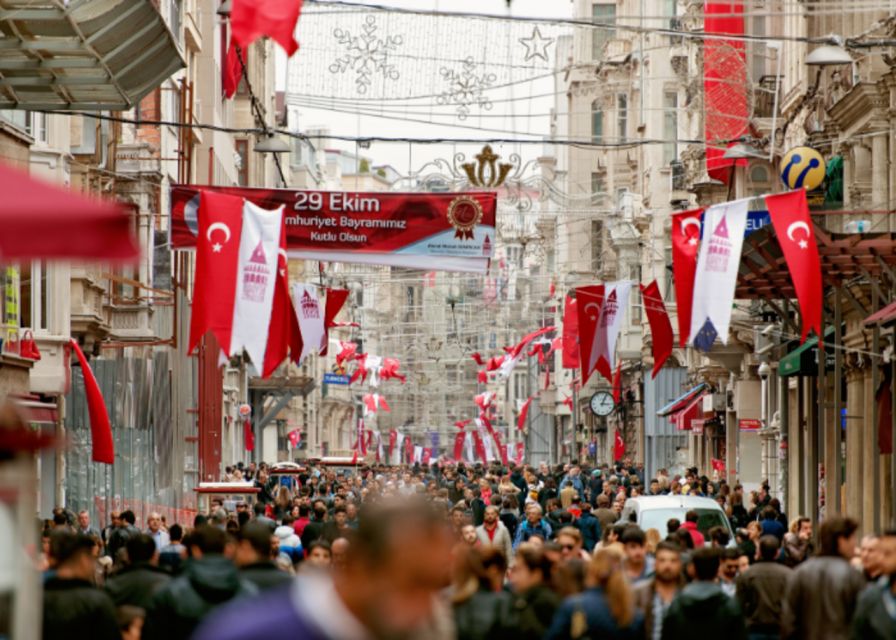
(528, 114)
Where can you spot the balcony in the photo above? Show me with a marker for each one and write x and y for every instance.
(130, 322)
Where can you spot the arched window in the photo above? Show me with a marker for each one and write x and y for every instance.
(597, 122)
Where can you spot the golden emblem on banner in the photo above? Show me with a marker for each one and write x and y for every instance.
(464, 213)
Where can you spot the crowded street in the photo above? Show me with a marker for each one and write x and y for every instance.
(428, 320)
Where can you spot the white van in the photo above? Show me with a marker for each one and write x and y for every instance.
(653, 512)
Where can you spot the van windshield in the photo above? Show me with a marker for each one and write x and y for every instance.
(706, 519)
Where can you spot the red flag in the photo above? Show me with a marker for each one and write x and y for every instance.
(660, 325)
(389, 370)
(355, 457)
(347, 352)
(524, 413)
(793, 226)
(335, 301)
(588, 304)
(482, 377)
(103, 447)
(459, 445)
(618, 447)
(502, 450)
(248, 435)
(393, 438)
(252, 19)
(480, 447)
(462, 423)
(217, 257)
(362, 441)
(409, 449)
(570, 334)
(717, 465)
(295, 437)
(427, 455)
(520, 450)
(232, 72)
(284, 326)
(685, 243)
(552, 290)
(617, 384)
(477, 358)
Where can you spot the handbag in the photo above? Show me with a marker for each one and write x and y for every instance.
(28, 347)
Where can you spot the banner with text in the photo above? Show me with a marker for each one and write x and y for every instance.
(448, 231)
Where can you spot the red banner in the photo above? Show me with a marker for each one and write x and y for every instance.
(588, 304)
(459, 446)
(660, 326)
(456, 230)
(570, 334)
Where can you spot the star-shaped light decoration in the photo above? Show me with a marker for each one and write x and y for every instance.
(536, 45)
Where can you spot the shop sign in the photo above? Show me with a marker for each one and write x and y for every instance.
(749, 424)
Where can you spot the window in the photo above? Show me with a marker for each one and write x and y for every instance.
(622, 116)
(520, 386)
(174, 19)
(674, 22)
(597, 122)
(670, 127)
(15, 117)
(604, 14)
(33, 295)
(597, 245)
(37, 126)
(295, 155)
(242, 152)
(598, 187)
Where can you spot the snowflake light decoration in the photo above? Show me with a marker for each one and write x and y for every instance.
(466, 88)
(367, 55)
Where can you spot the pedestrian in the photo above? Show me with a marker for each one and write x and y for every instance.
(534, 524)
(535, 602)
(770, 523)
(875, 617)
(654, 596)
(398, 561)
(84, 524)
(320, 555)
(493, 533)
(728, 570)
(761, 591)
(253, 557)
(138, 582)
(209, 580)
(155, 531)
(510, 514)
(701, 609)
(868, 560)
(72, 606)
(638, 564)
(822, 593)
(119, 537)
(690, 525)
(172, 557)
(482, 609)
(606, 609)
(571, 544)
(798, 542)
(589, 525)
(130, 621)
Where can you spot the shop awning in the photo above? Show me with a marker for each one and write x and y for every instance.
(691, 411)
(82, 55)
(803, 361)
(684, 400)
(885, 316)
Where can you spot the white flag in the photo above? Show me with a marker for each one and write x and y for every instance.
(418, 453)
(311, 317)
(399, 449)
(611, 314)
(256, 277)
(469, 454)
(717, 265)
(373, 364)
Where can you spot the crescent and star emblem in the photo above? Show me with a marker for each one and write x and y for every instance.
(799, 225)
(596, 309)
(690, 222)
(217, 246)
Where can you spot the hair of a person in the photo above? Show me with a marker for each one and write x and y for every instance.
(140, 548)
(534, 559)
(242, 517)
(653, 539)
(769, 513)
(200, 520)
(731, 553)
(633, 534)
(603, 501)
(126, 614)
(768, 547)
(720, 536)
(572, 532)
(706, 563)
(258, 536)
(691, 516)
(685, 540)
(258, 509)
(667, 547)
(605, 571)
(375, 538)
(66, 545)
(832, 529)
(209, 540)
(320, 543)
(59, 519)
(672, 525)
(176, 533)
(129, 517)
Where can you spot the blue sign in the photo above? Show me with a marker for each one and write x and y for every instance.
(335, 378)
(756, 219)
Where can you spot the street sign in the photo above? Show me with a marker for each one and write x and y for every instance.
(335, 378)
(749, 424)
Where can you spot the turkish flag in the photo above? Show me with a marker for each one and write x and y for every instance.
(660, 326)
(618, 447)
(348, 350)
(232, 72)
(524, 413)
(248, 436)
(685, 244)
(520, 450)
(502, 450)
(717, 465)
(277, 19)
(335, 301)
(480, 447)
(217, 257)
(588, 304)
(793, 226)
(570, 334)
(102, 445)
(427, 455)
(459, 445)
(409, 449)
(477, 358)
(283, 333)
(617, 384)
(295, 437)
(393, 437)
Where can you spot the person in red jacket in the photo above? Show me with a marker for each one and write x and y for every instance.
(690, 525)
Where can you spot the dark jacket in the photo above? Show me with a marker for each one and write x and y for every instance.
(599, 622)
(477, 505)
(136, 585)
(821, 599)
(264, 575)
(77, 609)
(872, 620)
(178, 608)
(773, 528)
(119, 538)
(590, 528)
(760, 593)
(485, 615)
(510, 520)
(313, 530)
(535, 610)
(702, 610)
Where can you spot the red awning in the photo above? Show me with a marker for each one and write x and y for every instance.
(884, 316)
(40, 220)
(691, 411)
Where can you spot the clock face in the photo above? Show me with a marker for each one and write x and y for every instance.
(602, 403)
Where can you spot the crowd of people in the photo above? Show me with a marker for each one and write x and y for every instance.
(469, 552)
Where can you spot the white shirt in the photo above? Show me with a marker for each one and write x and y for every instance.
(314, 596)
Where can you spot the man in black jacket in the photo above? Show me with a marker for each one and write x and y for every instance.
(139, 581)
(118, 538)
(701, 609)
(761, 590)
(253, 557)
(209, 579)
(73, 607)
